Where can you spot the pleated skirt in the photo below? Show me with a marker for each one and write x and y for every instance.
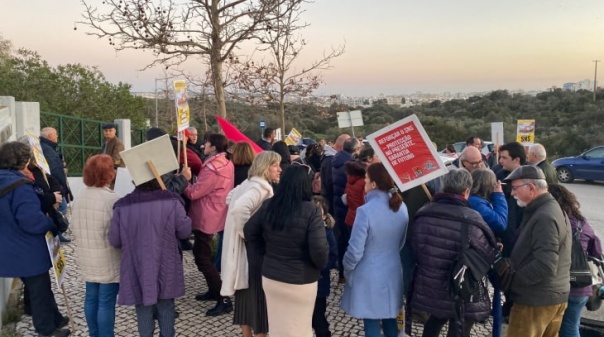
(250, 303)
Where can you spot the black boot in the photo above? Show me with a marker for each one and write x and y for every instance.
(222, 307)
(207, 296)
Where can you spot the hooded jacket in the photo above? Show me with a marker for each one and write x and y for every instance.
(22, 229)
(208, 195)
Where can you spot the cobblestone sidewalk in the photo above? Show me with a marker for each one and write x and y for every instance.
(192, 320)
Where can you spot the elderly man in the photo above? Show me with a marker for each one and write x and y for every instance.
(537, 156)
(49, 139)
(470, 159)
(193, 142)
(113, 145)
(536, 275)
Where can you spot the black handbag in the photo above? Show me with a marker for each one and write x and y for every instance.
(580, 272)
(60, 220)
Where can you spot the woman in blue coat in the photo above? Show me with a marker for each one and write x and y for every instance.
(372, 266)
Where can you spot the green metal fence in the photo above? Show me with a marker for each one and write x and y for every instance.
(79, 138)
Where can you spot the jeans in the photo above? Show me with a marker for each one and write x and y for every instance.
(44, 312)
(572, 316)
(99, 308)
(165, 318)
(372, 327)
(218, 255)
(63, 206)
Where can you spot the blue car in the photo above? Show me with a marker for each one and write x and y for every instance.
(588, 166)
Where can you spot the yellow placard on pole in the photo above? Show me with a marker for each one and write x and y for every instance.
(525, 134)
(183, 114)
(59, 263)
(294, 137)
(34, 142)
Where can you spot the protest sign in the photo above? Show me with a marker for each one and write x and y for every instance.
(158, 151)
(34, 142)
(123, 182)
(525, 134)
(294, 137)
(182, 107)
(497, 133)
(59, 263)
(407, 153)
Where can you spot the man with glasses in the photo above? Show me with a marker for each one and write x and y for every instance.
(470, 159)
(536, 276)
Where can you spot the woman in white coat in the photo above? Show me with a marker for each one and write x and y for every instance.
(244, 201)
(372, 265)
(98, 261)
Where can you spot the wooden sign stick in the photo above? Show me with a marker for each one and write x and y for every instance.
(427, 191)
(156, 174)
(184, 150)
(69, 314)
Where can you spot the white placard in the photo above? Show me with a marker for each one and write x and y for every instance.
(347, 119)
(123, 182)
(497, 133)
(158, 150)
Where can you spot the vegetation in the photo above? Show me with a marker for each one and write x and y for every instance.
(72, 89)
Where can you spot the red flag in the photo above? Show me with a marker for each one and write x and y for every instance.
(232, 133)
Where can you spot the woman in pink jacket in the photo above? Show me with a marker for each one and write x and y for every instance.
(208, 214)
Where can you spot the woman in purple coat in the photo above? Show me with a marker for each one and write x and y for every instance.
(590, 243)
(147, 225)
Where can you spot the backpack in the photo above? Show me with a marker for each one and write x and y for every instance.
(580, 272)
(469, 272)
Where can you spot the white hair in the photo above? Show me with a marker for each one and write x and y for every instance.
(538, 150)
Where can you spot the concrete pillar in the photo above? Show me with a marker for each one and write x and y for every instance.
(124, 132)
(27, 118)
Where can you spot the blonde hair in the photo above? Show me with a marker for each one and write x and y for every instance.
(261, 164)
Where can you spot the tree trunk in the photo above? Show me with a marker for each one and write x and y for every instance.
(282, 112)
(218, 87)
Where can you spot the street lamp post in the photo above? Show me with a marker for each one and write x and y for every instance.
(156, 110)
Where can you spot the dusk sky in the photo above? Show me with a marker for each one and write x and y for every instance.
(392, 46)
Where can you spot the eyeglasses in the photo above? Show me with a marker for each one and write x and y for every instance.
(474, 164)
(514, 188)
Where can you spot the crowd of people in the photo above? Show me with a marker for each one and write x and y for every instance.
(269, 227)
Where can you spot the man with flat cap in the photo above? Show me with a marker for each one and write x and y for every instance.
(536, 275)
(113, 145)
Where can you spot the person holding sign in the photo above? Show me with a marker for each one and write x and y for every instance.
(22, 239)
(99, 263)
(147, 225)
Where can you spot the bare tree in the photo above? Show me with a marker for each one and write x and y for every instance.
(176, 30)
(280, 77)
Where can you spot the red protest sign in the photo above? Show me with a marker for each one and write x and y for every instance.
(407, 152)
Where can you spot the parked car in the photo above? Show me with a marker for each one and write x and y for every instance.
(304, 142)
(588, 166)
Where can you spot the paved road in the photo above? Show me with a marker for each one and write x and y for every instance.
(192, 321)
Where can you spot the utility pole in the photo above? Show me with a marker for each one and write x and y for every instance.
(596, 78)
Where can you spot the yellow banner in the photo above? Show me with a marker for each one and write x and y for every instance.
(525, 134)
(34, 142)
(294, 137)
(59, 263)
(182, 107)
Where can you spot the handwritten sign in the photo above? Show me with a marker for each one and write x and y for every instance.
(525, 134)
(407, 153)
(34, 142)
(293, 138)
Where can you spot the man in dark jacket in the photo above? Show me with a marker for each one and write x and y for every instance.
(536, 275)
(113, 145)
(538, 156)
(436, 242)
(268, 137)
(49, 138)
(338, 173)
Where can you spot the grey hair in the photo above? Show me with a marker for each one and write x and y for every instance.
(538, 150)
(262, 162)
(47, 131)
(457, 181)
(540, 184)
(350, 144)
(192, 128)
(483, 183)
